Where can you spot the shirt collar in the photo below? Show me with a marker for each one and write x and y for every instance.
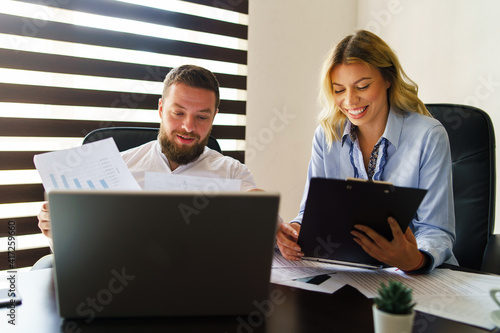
(160, 153)
(392, 130)
(347, 131)
(394, 126)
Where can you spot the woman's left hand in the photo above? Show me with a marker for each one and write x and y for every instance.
(401, 252)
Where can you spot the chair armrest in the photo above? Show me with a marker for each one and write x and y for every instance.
(491, 259)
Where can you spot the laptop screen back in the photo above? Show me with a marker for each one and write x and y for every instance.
(161, 254)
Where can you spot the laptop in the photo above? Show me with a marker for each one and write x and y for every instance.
(334, 206)
(133, 254)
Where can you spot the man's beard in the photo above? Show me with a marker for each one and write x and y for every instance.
(181, 154)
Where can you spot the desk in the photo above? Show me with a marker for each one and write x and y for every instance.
(298, 310)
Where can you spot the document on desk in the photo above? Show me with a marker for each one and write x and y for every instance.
(94, 166)
(438, 282)
(292, 273)
(328, 286)
(160, 181)
(455, 295)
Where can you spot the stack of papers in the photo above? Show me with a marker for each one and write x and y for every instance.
(455, 295)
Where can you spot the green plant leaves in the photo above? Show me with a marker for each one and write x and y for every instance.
(394, 298)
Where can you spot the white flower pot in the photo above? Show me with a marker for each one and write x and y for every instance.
(392, 323)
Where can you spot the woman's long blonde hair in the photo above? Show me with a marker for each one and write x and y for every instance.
(365, 47)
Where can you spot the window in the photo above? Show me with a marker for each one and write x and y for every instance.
(69, 67)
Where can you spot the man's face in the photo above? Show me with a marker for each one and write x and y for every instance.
(186, 116)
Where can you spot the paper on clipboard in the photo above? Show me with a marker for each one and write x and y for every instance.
(334, 206)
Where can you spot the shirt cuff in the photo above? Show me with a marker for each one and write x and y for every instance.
(427, 267)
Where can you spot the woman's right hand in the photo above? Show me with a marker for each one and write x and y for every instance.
(286, 237)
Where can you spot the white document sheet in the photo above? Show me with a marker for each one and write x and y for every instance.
(472, 310)
(94, 166)
(159, 181)
(329, 286)
(287, 270)
(454, 295)
(280, 262)
(438, 282)
(292, 273)
(289, 273)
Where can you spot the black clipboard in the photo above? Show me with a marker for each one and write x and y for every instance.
(334, 206)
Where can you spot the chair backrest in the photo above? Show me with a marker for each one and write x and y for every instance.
(130, 137)
(472, 141)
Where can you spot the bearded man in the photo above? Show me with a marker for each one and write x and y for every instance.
(187, 109)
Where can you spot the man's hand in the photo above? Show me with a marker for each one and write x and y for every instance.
(255, 190)
(286, 237)
(44, 220)
(402, 252)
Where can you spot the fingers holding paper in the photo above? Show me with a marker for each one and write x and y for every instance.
(286, 237)
(44, 220)
(401, 252)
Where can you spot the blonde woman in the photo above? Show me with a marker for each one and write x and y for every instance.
(375, 127)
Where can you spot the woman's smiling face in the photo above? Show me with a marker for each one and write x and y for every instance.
(360, 91)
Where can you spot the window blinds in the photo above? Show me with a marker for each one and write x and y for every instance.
(68, 67)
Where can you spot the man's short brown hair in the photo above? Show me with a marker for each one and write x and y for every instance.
(193, 76)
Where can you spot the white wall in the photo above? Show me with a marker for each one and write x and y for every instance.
(449, 47)
(287, 43)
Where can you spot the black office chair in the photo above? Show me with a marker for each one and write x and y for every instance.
(472, 141)
(125, 138)
(130, 137)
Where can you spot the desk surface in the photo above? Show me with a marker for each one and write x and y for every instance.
(295, 310)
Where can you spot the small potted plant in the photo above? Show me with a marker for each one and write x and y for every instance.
(393, 308)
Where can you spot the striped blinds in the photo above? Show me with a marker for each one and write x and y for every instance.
(68, 67)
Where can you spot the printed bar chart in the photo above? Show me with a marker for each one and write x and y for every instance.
(95, 166)
(77, 183)
(65, 182)
(54, 182)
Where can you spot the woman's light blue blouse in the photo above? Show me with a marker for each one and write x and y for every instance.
(416, 154)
